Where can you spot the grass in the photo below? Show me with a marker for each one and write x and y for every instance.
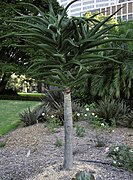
(9, 113)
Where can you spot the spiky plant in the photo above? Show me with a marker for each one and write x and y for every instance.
(116, 80)
(112, 110)
(68, 48)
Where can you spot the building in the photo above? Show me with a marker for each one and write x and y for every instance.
(81, 6)
(107, 6)
(125, 13)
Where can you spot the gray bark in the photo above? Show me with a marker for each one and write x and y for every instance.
(68, 126)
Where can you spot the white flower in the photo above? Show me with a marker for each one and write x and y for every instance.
(131, 150)
(116, 149)
(96, 116)
(52, 116)
(106, 150)
(113, 130)
(43, 114)
(102, 124)
(114, 162)
(78, 114)
(87, 109)
(85, 115)
(93, 114)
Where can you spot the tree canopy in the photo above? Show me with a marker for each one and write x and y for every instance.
(14, 59)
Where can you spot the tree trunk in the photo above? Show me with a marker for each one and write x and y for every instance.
(3, 82)
(68, 126)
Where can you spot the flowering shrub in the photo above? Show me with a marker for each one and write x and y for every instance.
(52, 123)
(122, 156)
(83, 114)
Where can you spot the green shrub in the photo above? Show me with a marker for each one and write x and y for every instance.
(80, 131)
(127, 120)
(38, 114)
(122, 156)
(19, 97)
(112, 112)
(99, 142)
(53, 123)
(54, 99)
(2, 144)
(58, 142)
(52, 105)
(84, 175)
(98, 122)
(28, 117)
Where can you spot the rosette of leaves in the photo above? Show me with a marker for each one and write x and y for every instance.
(112, 110)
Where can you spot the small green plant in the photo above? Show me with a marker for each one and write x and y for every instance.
(84, 175)
(53, 123)
(80, 131)
(58, 142)
(98, 122)
(2, 144)
(113, 122)
(99, 142)
(122, 156)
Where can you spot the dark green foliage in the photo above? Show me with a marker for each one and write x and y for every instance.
(13, 59)
(68, 47)
(42, 4)
(2, 144)
(18, 97)
(28, 117)
(52, 123)
(80, 131)
(127, 120)
(54, 99)
(110, 110)
(58, 142)
(8, 92)
(52, 105)
(122, 156)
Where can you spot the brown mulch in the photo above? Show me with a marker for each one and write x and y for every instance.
(31, 154)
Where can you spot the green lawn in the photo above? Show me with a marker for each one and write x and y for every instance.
(9, 113)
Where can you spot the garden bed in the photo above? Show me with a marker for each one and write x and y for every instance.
(31, 154)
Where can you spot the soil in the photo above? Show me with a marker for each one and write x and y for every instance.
(31, 153)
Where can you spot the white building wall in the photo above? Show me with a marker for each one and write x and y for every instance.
(80, 7)
(125, 13)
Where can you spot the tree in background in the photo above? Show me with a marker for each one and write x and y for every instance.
(69, 48)
(12, 59)
(110, 79)
(116, 80)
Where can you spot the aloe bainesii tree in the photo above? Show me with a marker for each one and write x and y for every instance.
(68, 47)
